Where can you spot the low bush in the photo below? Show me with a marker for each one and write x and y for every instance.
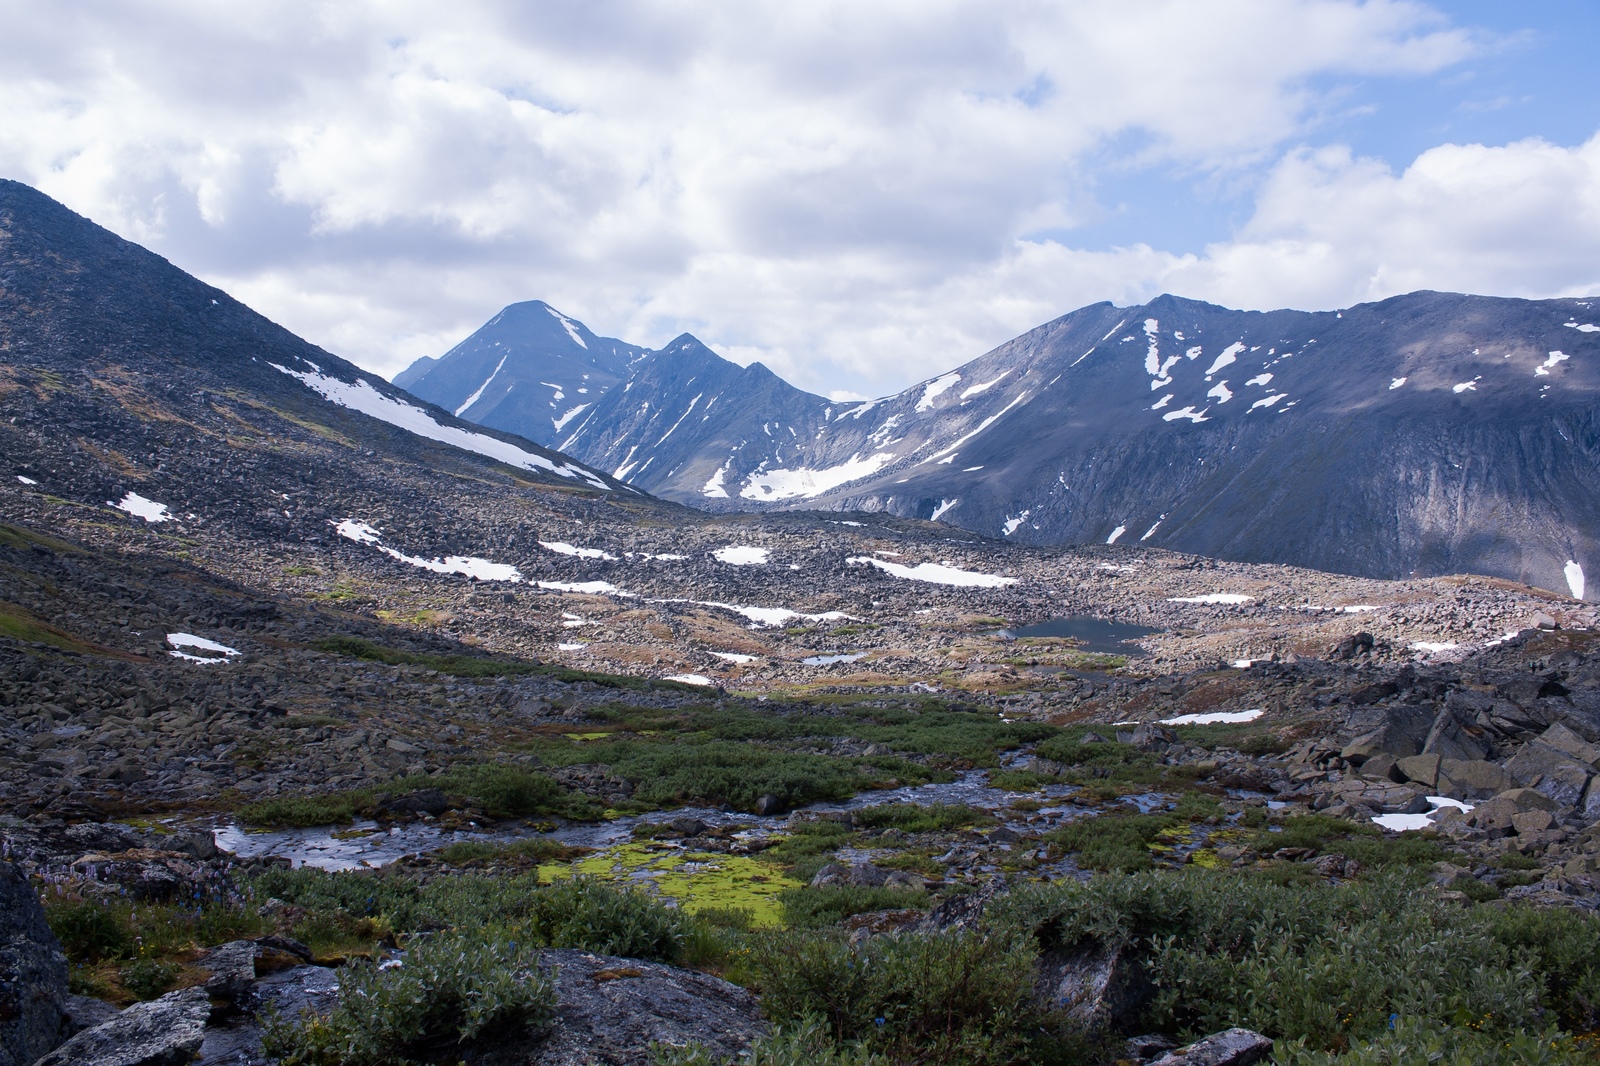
(302, 812)
(813, 908)
(89, 930)
(451, 988)
(149, 978)
(961, 997)
(916, 818)
(1112, 841)
(807, 1042)
(530, 850)
(1425, 1042)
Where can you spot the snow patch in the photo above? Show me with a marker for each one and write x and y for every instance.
(1115, 533)
(1585, 328)
(944, 505)
(1466, 386)
(1213, 597)
(189, 640)
(573, 646)
(1159, 404)
(714, 487)
(1259, 379)
(486, 382)
(563, 548)
(1269, 401)
(561, 423)
(362, 397)
(692, 679)
(741, 555)
(1543, 369)
(1152, 357)
(1220, 392)
(978, 390)
(936, 573)
(1214, 717)
(1396, 383)
(937, 387)
(1574, 574)
(1433, 647)
(26, 480)
(1230, 354)
(1187, 412)
(572, 330)
(787, 484)
(1011, 524)
(139, 507)
(734, 657)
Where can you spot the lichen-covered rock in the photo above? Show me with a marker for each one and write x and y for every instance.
(610, 1010)
(1232, 1047)
(164, 1032)
(33, 973)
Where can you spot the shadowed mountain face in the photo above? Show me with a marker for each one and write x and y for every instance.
(529, 370)
(122, 373)
(1429, 434)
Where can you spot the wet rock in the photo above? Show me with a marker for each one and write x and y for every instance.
(610, 1010)
(33, 973)
(1146, 1047)
(1095, 987)
(832, 874)
(289, 993)
(165, 1032)
(84, 1012)
(962, 912)
(430, 801)
(769, 804)
(686, 826)
(1233, 1047)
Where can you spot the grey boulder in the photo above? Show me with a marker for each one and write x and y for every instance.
(33, 973)
(164, 1032)
(610, 1010)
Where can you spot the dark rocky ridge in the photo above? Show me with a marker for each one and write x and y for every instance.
(1480, 458)
(529, 370)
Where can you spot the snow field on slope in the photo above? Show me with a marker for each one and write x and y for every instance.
(140, 507)
(935, 573)
(362, 397)
(788, 484)
(563, 548)
(741, 555)
(1233, 598)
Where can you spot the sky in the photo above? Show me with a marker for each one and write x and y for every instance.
(859, 194)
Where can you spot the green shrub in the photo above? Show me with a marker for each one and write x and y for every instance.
(1330, 964)
(149, 978)
(1562, 947)
(587, 914)
(532, 849)
(1112, 841)
(450, 989)
(302, 812)
(916, 818)
(960, 997)
(1422, 1042)
(813, 908)
(806, 1042)
(501, 791)
(90, 930)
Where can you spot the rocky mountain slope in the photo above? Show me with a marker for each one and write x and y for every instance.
(1427, 434)
(529, 370)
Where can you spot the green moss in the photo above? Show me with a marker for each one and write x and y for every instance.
(697, 881)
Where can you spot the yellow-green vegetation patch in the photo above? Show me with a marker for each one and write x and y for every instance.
(581, 737)
(697, 881)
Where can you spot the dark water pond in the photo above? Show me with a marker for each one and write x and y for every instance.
(1092, 634)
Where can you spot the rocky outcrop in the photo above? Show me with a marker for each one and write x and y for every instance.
(33, 974)
(610, 1010)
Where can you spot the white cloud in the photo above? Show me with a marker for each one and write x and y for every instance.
(838, 188)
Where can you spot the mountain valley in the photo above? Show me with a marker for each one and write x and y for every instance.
(307, 683)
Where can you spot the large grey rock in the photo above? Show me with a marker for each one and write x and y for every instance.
(1471, 778)
(232, 967)
(33, 973)
(291, 993)
(1094, 987)
(1232, 1047)
(1563, 739)
(164, 1032)
(1451, 738)
(1555, 773)
(610, 1010)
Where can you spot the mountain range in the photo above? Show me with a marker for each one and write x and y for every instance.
(1431, 433)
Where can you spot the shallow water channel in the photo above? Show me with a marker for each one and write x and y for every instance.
(368, 845)
(1091, 633)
